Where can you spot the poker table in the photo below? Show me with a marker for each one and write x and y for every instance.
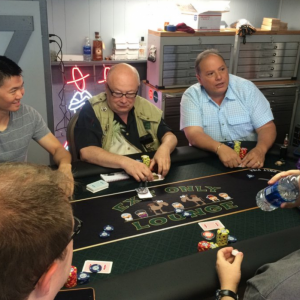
(156, 257)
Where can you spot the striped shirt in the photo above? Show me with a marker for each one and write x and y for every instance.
(24, 125)
(243, 110)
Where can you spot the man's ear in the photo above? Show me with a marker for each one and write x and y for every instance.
(43, 286)
(198, 78)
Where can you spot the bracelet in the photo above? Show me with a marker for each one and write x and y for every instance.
(223, 293)
(218, 148)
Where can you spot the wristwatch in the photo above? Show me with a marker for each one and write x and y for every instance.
(222, 293)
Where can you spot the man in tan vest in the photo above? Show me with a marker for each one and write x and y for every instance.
(118, 123)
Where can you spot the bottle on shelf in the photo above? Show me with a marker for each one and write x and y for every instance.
(284, 190)
(142, 49)
(97, 47)
(87, 50)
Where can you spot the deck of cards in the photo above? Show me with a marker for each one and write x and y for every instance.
(97, 186)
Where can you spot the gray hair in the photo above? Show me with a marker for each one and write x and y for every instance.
(201, 56)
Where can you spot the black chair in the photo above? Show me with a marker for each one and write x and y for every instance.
(70, 137)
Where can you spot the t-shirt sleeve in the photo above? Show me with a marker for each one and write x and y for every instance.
(40, 127)
(88, 131)
(163, 128)
(190, 110)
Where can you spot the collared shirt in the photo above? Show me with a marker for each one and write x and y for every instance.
(88, 131)
(243, 109)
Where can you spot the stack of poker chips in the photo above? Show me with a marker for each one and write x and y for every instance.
(222, 237)
(72, 279)
(203, 246)
(213, 245)
(237, 147)
(83, 278)
(243, 152)
(230, 144)
(146, 160)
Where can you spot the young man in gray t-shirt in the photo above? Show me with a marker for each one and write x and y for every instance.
(20, 123)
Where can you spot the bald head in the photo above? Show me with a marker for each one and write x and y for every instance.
(121, 70)
(122, 79)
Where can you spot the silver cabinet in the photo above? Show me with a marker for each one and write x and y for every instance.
(174, 65)
(283, 100)
(267, 56)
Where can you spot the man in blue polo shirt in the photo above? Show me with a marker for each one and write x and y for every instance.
(223, 107)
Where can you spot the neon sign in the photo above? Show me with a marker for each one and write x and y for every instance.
(82, 94)
(106, 69)
(76, 81)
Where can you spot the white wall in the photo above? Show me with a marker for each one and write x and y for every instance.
(73, 20)
(32, 65)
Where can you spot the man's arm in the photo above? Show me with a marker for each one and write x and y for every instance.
(198, 138)
(229, 270)
(266, 135)
(101, 157)
(60, 156)
(162, 155)
(278, 177)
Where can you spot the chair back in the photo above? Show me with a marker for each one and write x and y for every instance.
(70, 136)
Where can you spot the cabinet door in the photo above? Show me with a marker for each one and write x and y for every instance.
(172, 118)
(282, 102)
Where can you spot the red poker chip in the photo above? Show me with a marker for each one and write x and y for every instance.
(208, 235)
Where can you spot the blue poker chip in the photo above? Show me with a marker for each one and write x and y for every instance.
(95, 268)
(230, 144)
(108, 228)
(104, 234)
(186, 214)
(178, 210)
(83, 278)
(231, 239)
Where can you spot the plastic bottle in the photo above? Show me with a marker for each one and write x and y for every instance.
(142, 49)
(286, 140)
(87, 50)
(284, 190)
(97, 47)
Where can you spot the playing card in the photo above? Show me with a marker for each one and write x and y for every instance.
(211, 225)
(144, 193)
(157, 177)
(106, 266)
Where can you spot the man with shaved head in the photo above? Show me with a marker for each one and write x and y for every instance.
(118, 122)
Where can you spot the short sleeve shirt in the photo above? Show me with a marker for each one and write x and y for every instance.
(88, 131)
(24, 125)
(243, 110)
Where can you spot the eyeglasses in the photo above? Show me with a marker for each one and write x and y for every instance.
(120, 95)
(76, 229)
(77, 226)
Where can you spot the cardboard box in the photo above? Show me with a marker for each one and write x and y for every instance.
(270, 27)
(271, 21)
(204, 18)
(283, 26)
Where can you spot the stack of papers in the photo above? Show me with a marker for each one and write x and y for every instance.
(114, 176)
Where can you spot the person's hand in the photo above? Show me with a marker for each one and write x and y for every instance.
(255, 158)
(281, 175)
(229, 157)
(138, 170)
(162, 160)
(229, 268)
(68, 185)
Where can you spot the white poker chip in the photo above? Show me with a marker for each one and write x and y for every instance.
(234, 252)
(104, 234)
